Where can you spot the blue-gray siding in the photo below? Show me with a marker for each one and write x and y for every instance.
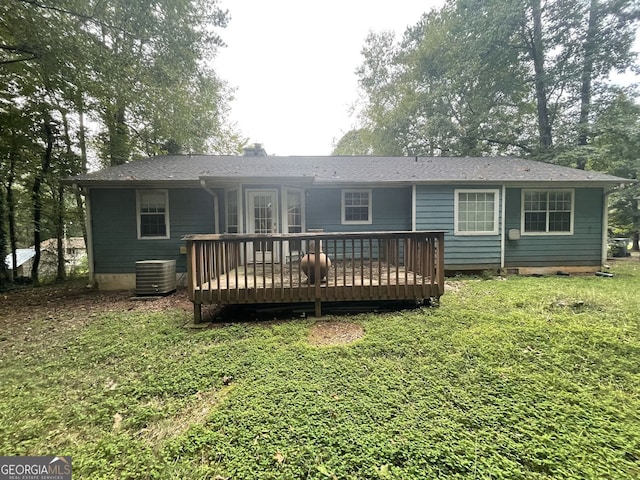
(116, 247)
(435, 211)
(583, 248)
(390, 210)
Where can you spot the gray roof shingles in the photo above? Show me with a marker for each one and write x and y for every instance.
(337, 169)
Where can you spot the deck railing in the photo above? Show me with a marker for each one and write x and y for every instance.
(243, 268)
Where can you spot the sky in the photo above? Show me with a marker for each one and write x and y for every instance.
(293, 62)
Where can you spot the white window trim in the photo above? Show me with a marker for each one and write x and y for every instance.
(283, 202)
(285, 218)
(164, 192)
(343, 207)
(226, 209)
(547, 190)
(496, 202)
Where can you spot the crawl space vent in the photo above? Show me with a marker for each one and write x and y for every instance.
(155, 277)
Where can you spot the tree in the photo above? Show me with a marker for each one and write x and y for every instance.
(4, 273)
(17, 145)
(496, 76)
(141, 70)
(152, 86)
(615, 148)
(355, 142)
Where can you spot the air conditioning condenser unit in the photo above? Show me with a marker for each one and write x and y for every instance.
(155, 277)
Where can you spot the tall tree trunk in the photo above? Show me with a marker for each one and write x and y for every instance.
(4, 271)
(83, 156)
(36, 196)
(587, 75)
(11, 204)
(60, 236)
(118, 135)
(60, 209)
(536, 52)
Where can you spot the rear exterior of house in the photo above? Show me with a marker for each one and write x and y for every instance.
(498, 213)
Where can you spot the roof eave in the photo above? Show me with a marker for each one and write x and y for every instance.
(315, 181)
(461, 181)
(132, 183)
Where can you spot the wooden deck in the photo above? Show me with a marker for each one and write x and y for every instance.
(241, 269)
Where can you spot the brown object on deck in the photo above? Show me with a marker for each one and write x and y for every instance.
(315, 261)
(241, 269)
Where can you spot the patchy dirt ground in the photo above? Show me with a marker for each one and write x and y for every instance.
(73, 298)
(26, 312)
(73, 305)
(334, 333)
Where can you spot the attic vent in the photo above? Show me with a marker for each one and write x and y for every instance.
(155, 277)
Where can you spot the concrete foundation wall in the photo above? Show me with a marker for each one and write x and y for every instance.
(126, 281)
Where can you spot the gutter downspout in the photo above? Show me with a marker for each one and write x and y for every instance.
(503, 228)
(413, 208)
(216, 209)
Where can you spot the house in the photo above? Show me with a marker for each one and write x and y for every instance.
(24, 261)
(499, 213)
(74, 253)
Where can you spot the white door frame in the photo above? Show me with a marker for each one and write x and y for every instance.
(250, 196)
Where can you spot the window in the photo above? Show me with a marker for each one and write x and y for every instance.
(476, 212)
(153, 213)
(232, 211)
(356, 206)
(294, 211)
(547, 212)
(294, 217)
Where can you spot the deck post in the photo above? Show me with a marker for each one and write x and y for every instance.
(318, 312)
(191, 268)
(197, 312)
(440, 259)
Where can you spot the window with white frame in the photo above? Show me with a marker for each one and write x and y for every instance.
(476, 212)
(547, 211)
(231, 203)
(356, 207)
(153, 213)
(294, 203)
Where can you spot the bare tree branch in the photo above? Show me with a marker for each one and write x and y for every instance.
(72, 13)
(18, 49)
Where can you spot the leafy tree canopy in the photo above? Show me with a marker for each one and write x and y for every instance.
(495, 76)
(524, 78)
(138, 71)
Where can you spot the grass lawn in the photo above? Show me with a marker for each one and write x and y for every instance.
(518, 378)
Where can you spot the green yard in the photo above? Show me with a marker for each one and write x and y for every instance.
(518, 378)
